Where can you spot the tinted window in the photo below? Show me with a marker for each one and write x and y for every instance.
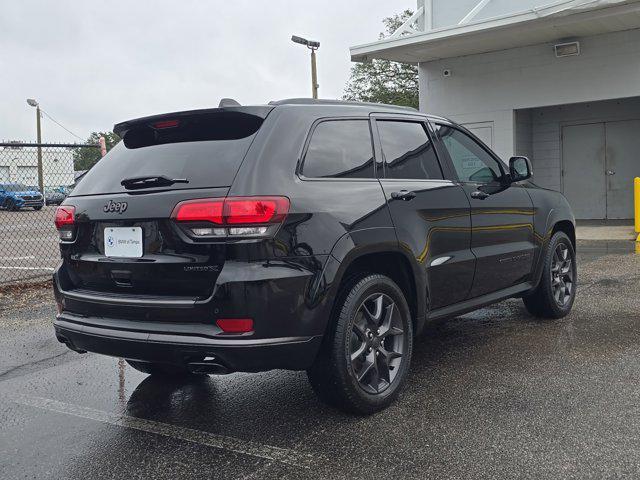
(206, 150)
(408, 151)
(340, 149)
(471, 162)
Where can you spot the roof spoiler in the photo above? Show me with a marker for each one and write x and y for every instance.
(228, 102)
(260, 111)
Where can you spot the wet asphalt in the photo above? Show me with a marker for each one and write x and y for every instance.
(493, 394)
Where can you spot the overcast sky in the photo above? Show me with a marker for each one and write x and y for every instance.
(91, 64)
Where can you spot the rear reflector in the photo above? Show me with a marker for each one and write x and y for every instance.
(245, 216)
(235, 325)
(65, 216)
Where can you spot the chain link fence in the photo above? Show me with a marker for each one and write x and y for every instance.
(34, 178)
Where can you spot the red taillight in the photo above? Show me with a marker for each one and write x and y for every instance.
(245, 216)
(235, 325)
(65, 216)
(243, 211)
(199, 211)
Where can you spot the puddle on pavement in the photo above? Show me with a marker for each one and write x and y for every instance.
(589, 250)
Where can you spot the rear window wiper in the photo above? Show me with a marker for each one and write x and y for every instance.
(150, 181)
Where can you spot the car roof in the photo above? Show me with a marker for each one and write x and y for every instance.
(321, 106)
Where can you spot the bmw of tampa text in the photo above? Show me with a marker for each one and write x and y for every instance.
(305, 235)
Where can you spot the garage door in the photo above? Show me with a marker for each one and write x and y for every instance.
(4, 174)
(27, 175)
(599, 163)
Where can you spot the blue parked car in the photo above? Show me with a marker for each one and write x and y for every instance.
(14, 196)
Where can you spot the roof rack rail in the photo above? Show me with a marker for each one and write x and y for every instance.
(312, 101)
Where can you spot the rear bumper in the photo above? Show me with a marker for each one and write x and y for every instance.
(285, 300)
(167, 343)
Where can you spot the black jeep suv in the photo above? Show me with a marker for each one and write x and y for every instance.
(305, 235)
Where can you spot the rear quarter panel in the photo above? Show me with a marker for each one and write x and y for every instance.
(324, 212)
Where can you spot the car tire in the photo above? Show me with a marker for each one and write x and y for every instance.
(364, 362)
(554, 296)
(161, 369)
(10, 205)
(37, 208)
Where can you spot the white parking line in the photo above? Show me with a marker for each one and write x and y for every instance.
(254, 449)
(48, 269)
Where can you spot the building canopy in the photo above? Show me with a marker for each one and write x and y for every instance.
(414, 42)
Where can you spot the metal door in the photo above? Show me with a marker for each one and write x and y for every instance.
(583, 166)
(600, 161)
(623, 165)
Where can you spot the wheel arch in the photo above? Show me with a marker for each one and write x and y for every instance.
(388, 259)
(558, 220)
(567, 227)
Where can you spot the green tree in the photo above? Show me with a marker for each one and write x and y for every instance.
(383, 81)
(85, 158)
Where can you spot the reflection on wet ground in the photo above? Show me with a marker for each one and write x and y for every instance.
(493, 394)
(589, 250)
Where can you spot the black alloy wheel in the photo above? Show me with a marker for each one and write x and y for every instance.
(562, 275)
(556, 291)
(364, 361)
(377, 343)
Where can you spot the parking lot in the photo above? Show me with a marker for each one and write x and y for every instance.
(493, 394)
(28, 244)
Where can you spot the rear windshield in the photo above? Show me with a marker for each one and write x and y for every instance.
(205, 150)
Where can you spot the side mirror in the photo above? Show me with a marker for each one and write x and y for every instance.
(520, 169)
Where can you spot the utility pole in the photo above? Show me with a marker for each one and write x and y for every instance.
(34, 103)
(313, 46)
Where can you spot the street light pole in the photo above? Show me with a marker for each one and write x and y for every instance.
(33, 103)
(314, 74)
(39, 135)
(313, 46)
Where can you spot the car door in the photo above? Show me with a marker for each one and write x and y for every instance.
(430, 213)
(502, 237)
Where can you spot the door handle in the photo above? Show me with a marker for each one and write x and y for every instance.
(404, 195)
(479, 195)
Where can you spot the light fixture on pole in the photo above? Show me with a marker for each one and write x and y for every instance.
(33, 103)
(313, 46)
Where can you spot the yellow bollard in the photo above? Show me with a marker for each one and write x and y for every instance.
(636, 189)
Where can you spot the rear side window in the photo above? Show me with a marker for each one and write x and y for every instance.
(206, 150)
(408, 151)
(340, 149)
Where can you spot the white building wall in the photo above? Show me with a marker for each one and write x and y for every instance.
(57, 168)
(491, 86)
(524, 133)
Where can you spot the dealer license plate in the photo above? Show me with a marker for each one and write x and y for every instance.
(123, 242)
